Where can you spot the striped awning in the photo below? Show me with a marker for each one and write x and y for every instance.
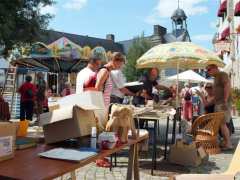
(237, 9)
(222, 8)
(225, 33)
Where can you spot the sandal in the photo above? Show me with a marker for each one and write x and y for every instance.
(103, 163)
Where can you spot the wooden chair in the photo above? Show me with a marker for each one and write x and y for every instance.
(205, 131)
(234, 166)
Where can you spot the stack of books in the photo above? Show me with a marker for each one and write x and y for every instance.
(24, 142)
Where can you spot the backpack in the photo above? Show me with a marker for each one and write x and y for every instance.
(29, 93)
(187, 96)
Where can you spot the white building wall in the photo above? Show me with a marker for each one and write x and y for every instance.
(232, 59)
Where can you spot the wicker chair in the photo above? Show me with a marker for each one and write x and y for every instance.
(205, 130)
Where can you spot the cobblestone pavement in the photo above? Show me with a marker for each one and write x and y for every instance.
(216, 164)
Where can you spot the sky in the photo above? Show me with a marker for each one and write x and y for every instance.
(130, 18)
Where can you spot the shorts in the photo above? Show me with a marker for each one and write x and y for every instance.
(227, 112)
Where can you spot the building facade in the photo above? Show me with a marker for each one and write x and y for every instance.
(226, 41)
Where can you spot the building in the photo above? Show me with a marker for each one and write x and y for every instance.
(226, 40)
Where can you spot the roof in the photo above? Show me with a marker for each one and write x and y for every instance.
(178, 14)
(50, 36)
(180, 35)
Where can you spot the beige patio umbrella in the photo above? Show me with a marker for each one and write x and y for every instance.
(179, 55)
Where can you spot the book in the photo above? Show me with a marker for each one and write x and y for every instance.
(23, 143)
(67, 154)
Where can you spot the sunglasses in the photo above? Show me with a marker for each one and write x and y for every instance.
(208, 87)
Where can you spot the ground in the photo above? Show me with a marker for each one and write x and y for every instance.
(216, 164)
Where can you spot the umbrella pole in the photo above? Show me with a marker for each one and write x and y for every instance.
(177, 97)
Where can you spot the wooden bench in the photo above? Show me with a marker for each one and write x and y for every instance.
(232, 170)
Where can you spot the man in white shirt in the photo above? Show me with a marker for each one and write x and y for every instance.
(86, 78)
(118, 89)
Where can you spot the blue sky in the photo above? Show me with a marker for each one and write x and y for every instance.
(129, 18)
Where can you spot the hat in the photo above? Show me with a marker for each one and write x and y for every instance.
(98, 53)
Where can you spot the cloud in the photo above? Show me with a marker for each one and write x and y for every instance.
(48, 10)
(165, 8)
(202, 37)
(75, 4)
(213, 24)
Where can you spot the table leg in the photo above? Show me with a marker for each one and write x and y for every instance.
(136, 162)
(130, 163)
(154, 153)
(174, 129)
(166, 139)
(115, 159)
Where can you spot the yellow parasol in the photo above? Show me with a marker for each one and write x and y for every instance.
(179, 55)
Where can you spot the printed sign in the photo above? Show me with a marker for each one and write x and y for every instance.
(6, 145)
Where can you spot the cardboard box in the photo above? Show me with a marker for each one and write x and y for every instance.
(53, 107)
(85, 99)
(7, 140)
(187, 155)
(67, 123)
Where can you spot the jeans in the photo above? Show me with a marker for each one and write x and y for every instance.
(26, 110)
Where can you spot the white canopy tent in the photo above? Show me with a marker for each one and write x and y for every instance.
(188, 76)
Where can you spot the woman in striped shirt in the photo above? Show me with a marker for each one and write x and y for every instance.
(104, 81)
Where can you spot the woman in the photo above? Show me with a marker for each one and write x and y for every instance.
(186, 95)
(68, 90)
(104, 81)
(104, 84)
(208, 98)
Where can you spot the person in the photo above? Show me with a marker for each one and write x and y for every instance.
(149, 81)
(28, 94)
(118, 89)
(40, 95)
(202, 90)
(186, 95)
(104, 80)
(207, 98)
(222, 100)
(67, 90)
(86, 78)
(48, 94)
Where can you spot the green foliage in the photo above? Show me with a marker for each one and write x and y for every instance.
(236, 98)
(21, 22)
(138, 48)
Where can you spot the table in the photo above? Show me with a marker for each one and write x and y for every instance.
(155, 115)
(27, 165)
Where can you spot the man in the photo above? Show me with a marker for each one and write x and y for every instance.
(86, 78)
(118, 89)
(41, 91)
(222, 100)
(28, 92)
(150, 81)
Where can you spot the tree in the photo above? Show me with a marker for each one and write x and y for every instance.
(140, 45)
(21, 22)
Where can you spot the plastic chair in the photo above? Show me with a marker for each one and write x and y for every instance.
(205, 131)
